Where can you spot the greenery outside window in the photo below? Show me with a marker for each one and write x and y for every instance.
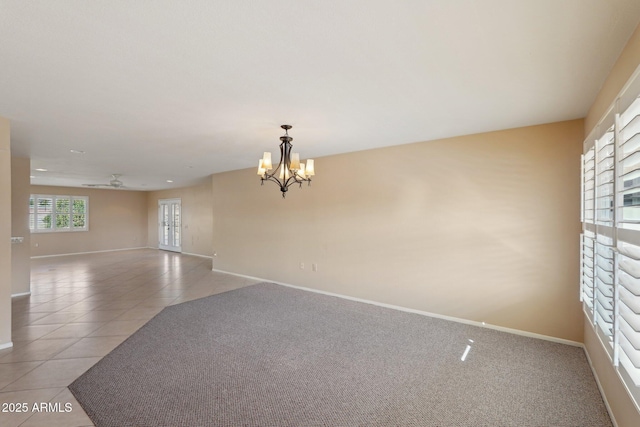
(49, 213)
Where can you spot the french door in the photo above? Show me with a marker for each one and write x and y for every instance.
(170, 225)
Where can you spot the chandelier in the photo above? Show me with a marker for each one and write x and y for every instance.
(289, 171)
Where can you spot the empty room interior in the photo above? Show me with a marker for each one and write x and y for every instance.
(419, 213)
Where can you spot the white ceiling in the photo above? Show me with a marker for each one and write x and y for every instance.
(158, 90)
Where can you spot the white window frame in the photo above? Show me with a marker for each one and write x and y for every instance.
(621, 234)
(54, 198)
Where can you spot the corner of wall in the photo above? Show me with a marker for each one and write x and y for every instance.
(622, 70)
(20, 251)
(5, 233)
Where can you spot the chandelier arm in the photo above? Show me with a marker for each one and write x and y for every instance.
(273, 179)
(296, 179)
(273, 174)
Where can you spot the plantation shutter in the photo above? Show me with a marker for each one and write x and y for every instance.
(587, 269)
(604, 178)
(610, 239)
(629, 136)
(588, 183)
(603, 311)
(54, 213)
(44, 211)
(629, 310)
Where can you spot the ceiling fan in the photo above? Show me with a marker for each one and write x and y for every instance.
(114, 183)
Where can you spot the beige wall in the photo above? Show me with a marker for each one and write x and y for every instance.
(482, 227)
(121, 219)
(623, 408)
(5, 233)
(117, 220)
(624, 67)
(20, 252)
(196, 217)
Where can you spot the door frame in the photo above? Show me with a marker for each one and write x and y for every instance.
(171, 246)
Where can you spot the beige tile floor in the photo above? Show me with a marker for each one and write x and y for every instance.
(81, 307)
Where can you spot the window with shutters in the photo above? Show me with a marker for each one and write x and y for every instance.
(49, 213)
(587, 243)
(603, 292)
(604, 178)
(629, 136)
(610, 239)
(588, 185)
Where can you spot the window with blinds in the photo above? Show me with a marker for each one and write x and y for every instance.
(628, 310)
(604, 178)
(629, 136)
(49, 213)
(587, 270)
(588, 185)
(610, 240)
(604, 301)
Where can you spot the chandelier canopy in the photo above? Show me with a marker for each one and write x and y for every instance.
(289, 171)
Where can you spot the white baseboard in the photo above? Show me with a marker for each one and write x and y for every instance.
(604, 396)
(21, 294)
(116, 250)
(90, 252)
(198, 255)
(6, 345)
(420, 312)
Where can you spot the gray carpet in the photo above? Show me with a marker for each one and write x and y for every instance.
(268, 355)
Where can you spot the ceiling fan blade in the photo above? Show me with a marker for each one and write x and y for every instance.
(114, 183)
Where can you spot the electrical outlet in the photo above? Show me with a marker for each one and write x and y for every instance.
(314, 267)
(302, 266)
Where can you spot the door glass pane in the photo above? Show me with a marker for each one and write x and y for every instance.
(176, 224)
(165, 225)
